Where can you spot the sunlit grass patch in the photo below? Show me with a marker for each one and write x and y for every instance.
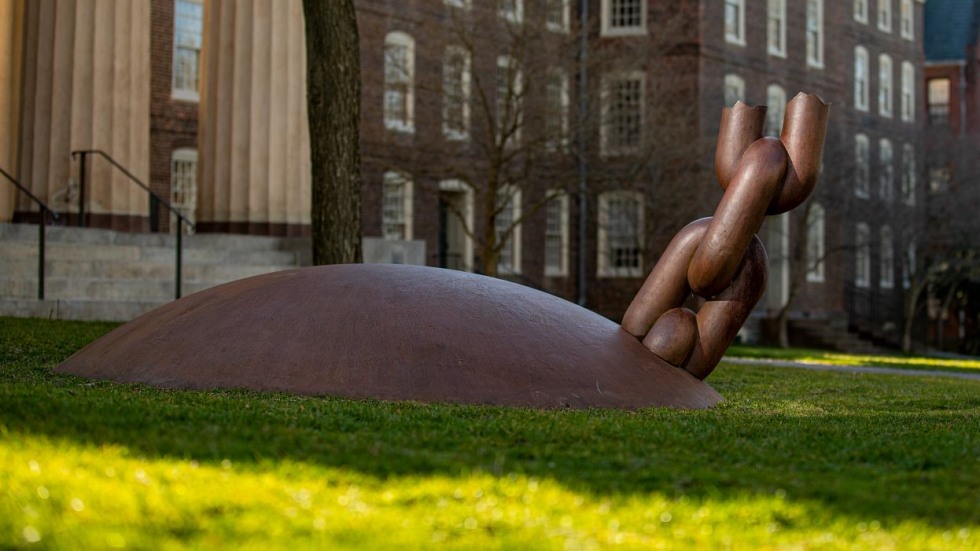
(791, 459)
(805, 355)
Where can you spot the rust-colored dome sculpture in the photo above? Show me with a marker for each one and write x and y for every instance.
(394, 333)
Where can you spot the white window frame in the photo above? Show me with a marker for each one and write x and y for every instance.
(605, 268)
(776, 37)
(862, 256)
(776, 102)
(557, 110)
(510, 100)
(908, 92)
(551, 25)
(609, 80)
(180, 90)
(509, 201)
(608, 30)
(862, 166)
(814, 41)
(465, 78)
(734, 90)
(936, 87)
(907, 19)
(908, 174)
(885, 15)
(463, 4)
(558, 202)
(886, 86)
(735, 22)
(861, 11)
(399, 39)
(514, 14)
(405, 218)
(816, 243)
(886, 170)
(862, 80)
(183, 184)
(886, 257)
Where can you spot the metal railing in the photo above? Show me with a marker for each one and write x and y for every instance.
(82, 154)
(44, 210)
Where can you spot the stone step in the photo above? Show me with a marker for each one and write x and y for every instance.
(87, 310)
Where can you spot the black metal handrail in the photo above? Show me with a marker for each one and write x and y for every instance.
(40, 239)
(83, 153)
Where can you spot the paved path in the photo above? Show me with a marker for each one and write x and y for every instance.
(854, 368)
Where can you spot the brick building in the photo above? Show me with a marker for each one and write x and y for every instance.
(488, 126)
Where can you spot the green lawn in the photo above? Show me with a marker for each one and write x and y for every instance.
(792, 459)
(805, 355)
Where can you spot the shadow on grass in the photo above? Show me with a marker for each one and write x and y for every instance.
(886, 448)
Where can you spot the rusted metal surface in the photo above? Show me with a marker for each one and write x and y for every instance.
(720, 259)
(395, 333)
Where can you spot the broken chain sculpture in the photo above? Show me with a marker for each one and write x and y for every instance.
(720, 259)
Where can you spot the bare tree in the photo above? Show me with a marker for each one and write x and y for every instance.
(334, 95)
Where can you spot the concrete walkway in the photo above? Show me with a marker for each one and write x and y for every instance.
(854, 368)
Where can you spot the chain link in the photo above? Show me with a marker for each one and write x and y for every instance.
(719, 259)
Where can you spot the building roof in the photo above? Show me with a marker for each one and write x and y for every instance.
(950, 26)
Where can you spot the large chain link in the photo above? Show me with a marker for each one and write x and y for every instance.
(720, 259)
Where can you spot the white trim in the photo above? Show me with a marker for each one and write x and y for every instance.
(907, 9)
(886, 86)
(465, 80)
(734, 89)
(779, 48)
(515, 15)
(862, 74)
(556, 75)
(886, 170)
(607, 30)
(604, 265)
(861, 11)
(776, 102)
(886, 257)
(909, 179)
(814, 56)
(405, 180)
(884, 15)
(735, 36)
(605, 126)
(908, 92)
(862, 256)
(459, 186)
(564, 26)
(559, 198)
(512, 194)
(816, 239)
(399, 39)
(862, 166)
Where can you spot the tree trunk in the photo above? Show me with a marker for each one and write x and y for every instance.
(333, 81)
(911, 305)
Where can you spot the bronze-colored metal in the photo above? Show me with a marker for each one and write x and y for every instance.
(720, 258)
(393, 333)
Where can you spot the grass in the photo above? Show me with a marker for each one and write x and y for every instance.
(792, 459)
(805, 355)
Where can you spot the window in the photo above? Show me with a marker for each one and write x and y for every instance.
(814, 33)
(861, 11)
(624, 17)
(556, 114)
(908, 174)
(937, 91)
(862, 256)
(455, 244)
(183, 187)
(465, 4)
(776, 31)
(456, 94)
(188, 32)
(886, 276)
(776, 101)
(399, 95)
(556, 235)
(815, 242)
(886, 170)
(507, 226)
(621, 131)
(907, 20)
(556, 15)
(512, 10)
(396, 206)
(735, 21)
(861, 94)
(908, 262)
(620, 234)
(908, 92)
(885, 15)
(885, 85)
(510, 101)
(734, 89)
(862, 168)
(939, 179)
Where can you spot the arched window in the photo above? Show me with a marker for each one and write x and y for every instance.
(861, 78)
(456, 93)
(399, 93)
(885, 90)
(886, 278)
(862, 166)
(815, 242)
(734, 89)
(908, 92)
(776, 102)
(862, 256)
(886, 170)
(908, 174)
